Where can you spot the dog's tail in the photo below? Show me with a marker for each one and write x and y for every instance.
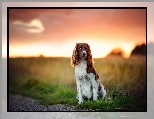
(102, 91)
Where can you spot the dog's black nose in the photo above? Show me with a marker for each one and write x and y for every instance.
(84, 54)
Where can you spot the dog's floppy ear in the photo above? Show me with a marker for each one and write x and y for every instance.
(74, 59)
(89, 58)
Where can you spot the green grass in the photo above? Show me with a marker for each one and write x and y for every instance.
(52, 81)
(120, 102)
(48, 94)
(64, 94)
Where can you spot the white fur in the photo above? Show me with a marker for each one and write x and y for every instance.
(87, 86)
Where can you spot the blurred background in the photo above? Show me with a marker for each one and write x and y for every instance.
(41, 43)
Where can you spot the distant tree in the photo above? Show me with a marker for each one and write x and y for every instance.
(139, 50)
(41, 56)
(116, 52)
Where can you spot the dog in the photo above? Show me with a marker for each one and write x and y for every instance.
(88, 82)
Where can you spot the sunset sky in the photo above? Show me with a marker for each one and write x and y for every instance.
(54, 32)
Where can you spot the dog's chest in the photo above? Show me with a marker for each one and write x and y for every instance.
(81, 69)
(83, 79)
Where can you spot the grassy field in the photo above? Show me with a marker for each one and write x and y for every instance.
(52, 81)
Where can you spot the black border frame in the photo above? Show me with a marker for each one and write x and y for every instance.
(8, 8)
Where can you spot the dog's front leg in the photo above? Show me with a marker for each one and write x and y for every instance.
(79, 93)
(94, 86)
(95, 90)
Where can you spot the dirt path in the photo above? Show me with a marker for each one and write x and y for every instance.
(20, 103)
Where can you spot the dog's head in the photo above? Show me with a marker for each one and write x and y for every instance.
(81, 52)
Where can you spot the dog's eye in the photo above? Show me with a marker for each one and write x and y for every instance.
(80, 48)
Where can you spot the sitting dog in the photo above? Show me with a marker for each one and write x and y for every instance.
(87, 79)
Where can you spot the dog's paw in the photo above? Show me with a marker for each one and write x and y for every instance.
(95, 97)
(80, 103)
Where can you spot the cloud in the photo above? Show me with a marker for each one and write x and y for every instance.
(35, 26)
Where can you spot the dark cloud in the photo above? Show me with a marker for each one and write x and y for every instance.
(23, 14)
(26, 15)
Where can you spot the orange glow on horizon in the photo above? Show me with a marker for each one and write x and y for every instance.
(99, 49)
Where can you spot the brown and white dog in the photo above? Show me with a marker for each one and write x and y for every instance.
(87, 79)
